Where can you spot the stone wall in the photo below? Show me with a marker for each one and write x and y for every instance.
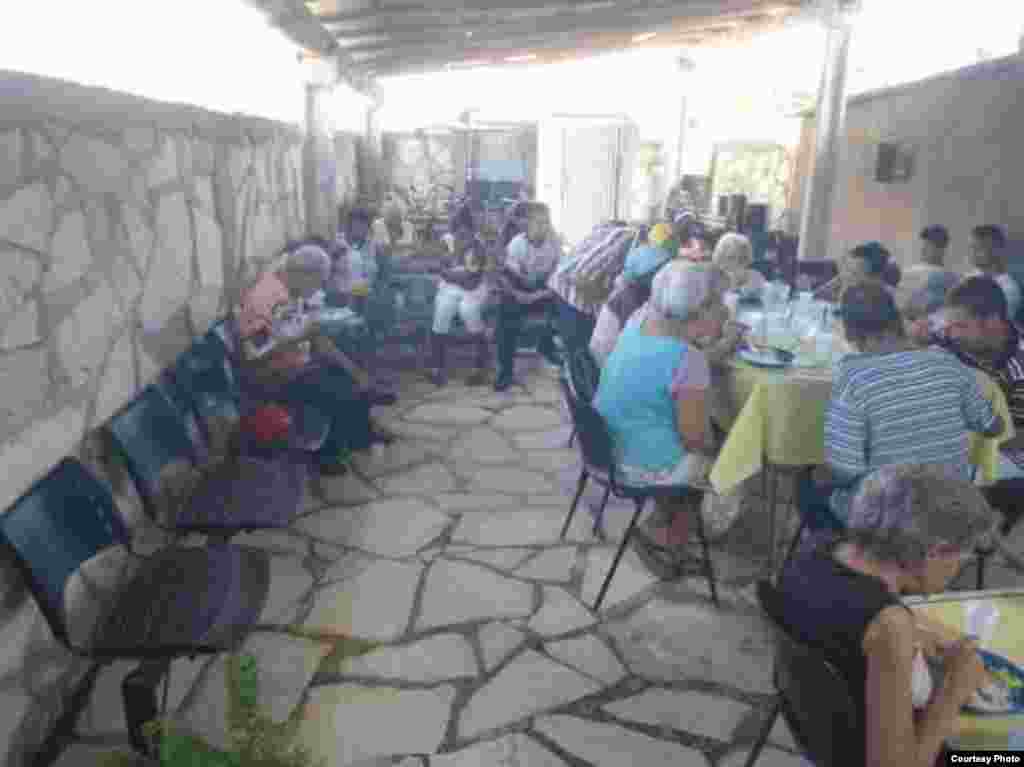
(964, 128)
(126, 227)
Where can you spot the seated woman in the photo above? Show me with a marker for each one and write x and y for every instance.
(911, 529)
(465, 291)
(285, 358)
(891, 404)
(354, 262)
(733, 255)
(632, 291)
(654, 387)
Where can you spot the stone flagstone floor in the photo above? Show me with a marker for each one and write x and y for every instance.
(444, 548)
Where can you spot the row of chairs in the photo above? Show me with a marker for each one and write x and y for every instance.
(182, 601)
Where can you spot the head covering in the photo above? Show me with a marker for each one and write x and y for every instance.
(310, 258)
(681, 288)
(643, 260)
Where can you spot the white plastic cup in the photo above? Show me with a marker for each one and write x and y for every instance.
(981, 619)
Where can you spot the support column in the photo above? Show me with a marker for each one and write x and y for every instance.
(686, 67)
(310, 192)
(820, 193)
(320, 172)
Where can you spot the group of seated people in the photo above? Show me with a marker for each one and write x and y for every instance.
(894, 511)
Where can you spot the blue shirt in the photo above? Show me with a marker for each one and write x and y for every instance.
(635, 399)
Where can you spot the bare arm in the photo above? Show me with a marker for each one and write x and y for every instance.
(893, 737)
(692, 420)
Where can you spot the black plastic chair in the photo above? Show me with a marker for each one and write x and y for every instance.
(583, 374)
(179, 602)
(148, 434)
(813, 698)
(1006, 497)
(595, 441)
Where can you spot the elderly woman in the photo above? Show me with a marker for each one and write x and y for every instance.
(891, 404)
(654, 390)
(632, 291)
(911, 529)
(733, 255)
(286, 359)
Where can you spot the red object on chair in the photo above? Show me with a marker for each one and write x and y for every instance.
(267, 424)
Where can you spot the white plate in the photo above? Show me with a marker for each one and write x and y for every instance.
(768, 358)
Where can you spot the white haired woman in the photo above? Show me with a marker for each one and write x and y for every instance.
(911, 527)
(734, 255)
(654, 391)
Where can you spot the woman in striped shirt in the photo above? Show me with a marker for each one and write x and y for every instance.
(891, 404)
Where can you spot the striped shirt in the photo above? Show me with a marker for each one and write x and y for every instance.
(602, 254)
(901, 407)
(1007, 370)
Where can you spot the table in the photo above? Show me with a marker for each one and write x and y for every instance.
(781, 423)
(983, 732)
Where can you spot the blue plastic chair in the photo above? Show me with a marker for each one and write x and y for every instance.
(180, 602)
(597, 452)
(257, 493)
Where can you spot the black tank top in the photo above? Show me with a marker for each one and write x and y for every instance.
(829, 606)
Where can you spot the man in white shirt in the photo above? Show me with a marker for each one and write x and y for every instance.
(988, 256)
(923, 285)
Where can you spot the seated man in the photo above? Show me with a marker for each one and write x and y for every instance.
(978, 330)
(464, 290)
(285, 358)
(354, 266)
(891, 404)
(865, 264)
(530, 259)
(988, 257)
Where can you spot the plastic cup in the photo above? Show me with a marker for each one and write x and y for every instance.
(981, 619)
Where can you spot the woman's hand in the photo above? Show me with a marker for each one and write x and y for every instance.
(965, 672)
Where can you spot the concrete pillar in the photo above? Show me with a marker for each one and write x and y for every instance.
(310, 193)
(686, 67)
(820, 193)
(320, 171)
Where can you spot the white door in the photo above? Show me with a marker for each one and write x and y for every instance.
(589, 179)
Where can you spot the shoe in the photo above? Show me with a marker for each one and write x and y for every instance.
(383, 398)
(437, 376)
(381, 436)
(503, 382)
(334, 469)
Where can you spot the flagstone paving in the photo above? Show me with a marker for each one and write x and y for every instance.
(444, 548)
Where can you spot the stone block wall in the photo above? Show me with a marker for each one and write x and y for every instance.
(126, 227)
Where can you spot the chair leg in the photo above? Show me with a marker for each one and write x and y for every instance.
(982, 563)
(773, 497)
(792, 545)
(580, 486)
(138, 693)
(618, 554)
(708, 566)
(762, 736)
(598, 528)
(572, 437)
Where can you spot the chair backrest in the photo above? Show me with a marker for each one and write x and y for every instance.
(202, 378)
(816, 700)
(63, 520)
(592, 432)
(149, 434)
(584, 374)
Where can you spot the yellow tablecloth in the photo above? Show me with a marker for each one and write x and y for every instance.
(986, 731)
(782, 420)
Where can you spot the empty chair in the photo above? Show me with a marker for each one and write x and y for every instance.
(179, 602)
(595, 442)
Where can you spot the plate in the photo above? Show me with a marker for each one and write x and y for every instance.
(1006, 694)
(767, 358)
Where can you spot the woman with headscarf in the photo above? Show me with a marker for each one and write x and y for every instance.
(653, 392)
(285, 358)
(632, 291)
(911, 529)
